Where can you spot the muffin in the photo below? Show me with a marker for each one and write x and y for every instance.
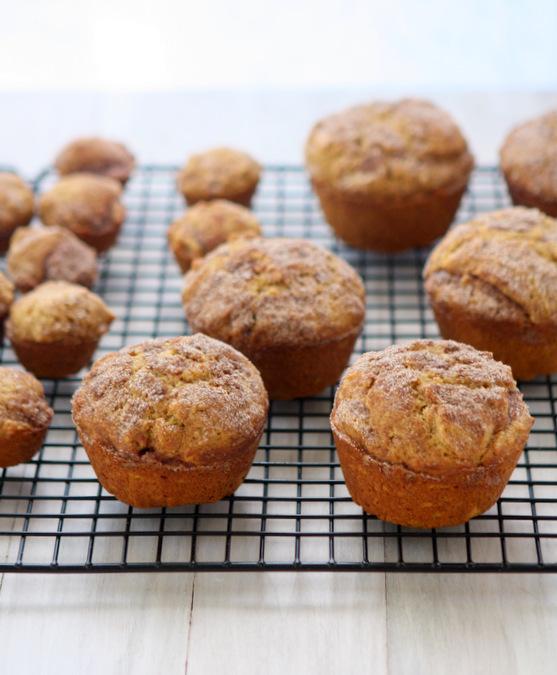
(6, 299)
(206, 225)
(293, 308)
(17, 204)
(428, 432)
(221, 173)
(24, 416)
(389, 176)
(529, 163)
(49, 254)
(96, 155)
(54, 329)
(171, 421)
(88, 205)
(492, 283)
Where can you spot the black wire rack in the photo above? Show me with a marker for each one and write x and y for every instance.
(293, 512)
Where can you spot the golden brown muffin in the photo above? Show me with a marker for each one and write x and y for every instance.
(50, 254)
(88, 205)
(428, 432)
(24, 416)
(6, 299)
(171, 421)
(54, 329)
(529, 163)
(293, 308)
(389, 176)
(492, 283)
(96, 155)
(207, 225)
(17, 204)
(221, 173)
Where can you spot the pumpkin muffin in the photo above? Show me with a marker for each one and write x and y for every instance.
(171, 421)
(17, 204)
(49, 254)
(529, 163)
(429, 432)
(492, 283)
(54, 329)
(221, 173)
(96, 155)
(6, 299)
(293, 308)
(389, 176)
(24, 416)
(206, 225)
(87, 205)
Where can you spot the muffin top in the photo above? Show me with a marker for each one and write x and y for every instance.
(503, 264)
(22, 403)
(6, 294)
(17, 202)
(84, 203)
(206, 225)
(529, 156)
(258, 293)
(96, 155)
(389, 150)
(432, 406)
(59, 310)
(183, 399)
(218, 173)
(50, 253)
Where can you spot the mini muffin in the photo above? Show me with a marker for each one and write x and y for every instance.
(17, 204)
(96, 155)
(221, 173)
(529, 163)
(54, 329)
(6, 299)
(206, 225)
(49, 254)
(24, 416)
(293, 308)
(88, 205)
(428, 432)
(492, 283)
(171, 421)
(389, 176)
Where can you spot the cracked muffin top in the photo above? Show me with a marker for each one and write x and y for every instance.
(50, 253)
(183, 399)
(529, 156)
(17, 203)
(389, 150)
(6, 294)
(207, 225)
(432, 406)
(502, 264)
(22, 403)
(259, 293)
(96, 155)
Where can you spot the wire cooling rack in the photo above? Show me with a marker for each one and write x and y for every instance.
(293, 512)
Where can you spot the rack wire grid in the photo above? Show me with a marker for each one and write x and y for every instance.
(293, 512)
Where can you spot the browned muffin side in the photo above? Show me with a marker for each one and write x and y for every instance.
(207, 225)
(529, 163)
(54, 329)
(428, 432)
(293, 308)
(24, 416)
(221, 173)
(96, 155)
(171, 421)
(50, 254)
(493, 284)
(17, 205)
(88, 205)
(6, 299)
(389, 176)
